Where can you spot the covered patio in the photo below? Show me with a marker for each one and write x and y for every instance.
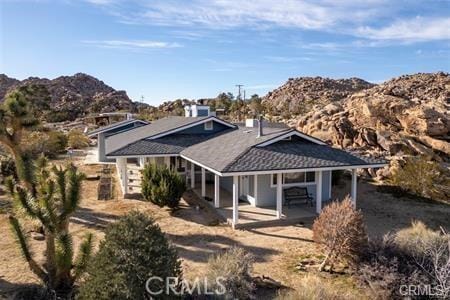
(253, 216)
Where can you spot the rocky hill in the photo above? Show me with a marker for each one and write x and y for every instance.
(73, 96)
(403, 117)
(299, 95)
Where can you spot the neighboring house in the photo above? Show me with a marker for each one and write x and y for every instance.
(239, 167)
(101, 134)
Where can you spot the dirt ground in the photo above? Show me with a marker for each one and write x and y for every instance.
(276, 249)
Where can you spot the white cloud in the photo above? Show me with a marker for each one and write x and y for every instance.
(417, 29)
(372, 20)
(133, 44)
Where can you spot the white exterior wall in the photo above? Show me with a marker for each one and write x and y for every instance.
(267, 194)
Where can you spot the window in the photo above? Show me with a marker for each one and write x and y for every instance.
(298, 178)
(209, 125)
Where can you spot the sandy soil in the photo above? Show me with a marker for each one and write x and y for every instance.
(276, 249)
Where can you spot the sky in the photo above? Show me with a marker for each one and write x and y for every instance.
(167, 49)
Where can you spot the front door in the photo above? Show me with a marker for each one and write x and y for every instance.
(244, 187)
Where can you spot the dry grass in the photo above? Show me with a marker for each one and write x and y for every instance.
(276, 249)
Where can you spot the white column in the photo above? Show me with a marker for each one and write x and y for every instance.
(122, 167)
(318, 192)
(354, 185)
(167, 161)
(279, 195)
(255, 189)
(192, 175)
(216, 191)
(235, 200)
(203, 183)
(330, 184)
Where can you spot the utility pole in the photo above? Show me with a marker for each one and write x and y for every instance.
(239, 86)
(244, 95)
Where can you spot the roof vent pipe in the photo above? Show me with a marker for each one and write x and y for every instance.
(260, 126)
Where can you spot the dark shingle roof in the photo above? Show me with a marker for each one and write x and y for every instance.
(114, 126)
(295, 154)
(217, 153)
(156, 127)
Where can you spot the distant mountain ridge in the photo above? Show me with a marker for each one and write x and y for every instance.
(74, 96)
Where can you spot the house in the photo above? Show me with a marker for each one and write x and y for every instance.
(244, 169)
(104, 132)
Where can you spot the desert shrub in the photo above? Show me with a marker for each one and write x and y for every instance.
(49, 143)
(134, 249)
(314, 288)
(234, 266)
(418, 176)
(77, 140)
(57, 141)
(384, 268)
(340, 230)
(162, 186)
(412, 256)
(430, 251)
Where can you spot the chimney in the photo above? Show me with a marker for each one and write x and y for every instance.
(260, 126)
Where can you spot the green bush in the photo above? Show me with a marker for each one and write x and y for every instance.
(418, 176)
(134, 249)
(77, 140)
(234, 266)
(162, 186)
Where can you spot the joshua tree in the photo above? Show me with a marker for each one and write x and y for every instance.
(15, 116)
(49, 195)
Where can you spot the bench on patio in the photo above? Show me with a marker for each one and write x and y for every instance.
(297, 194)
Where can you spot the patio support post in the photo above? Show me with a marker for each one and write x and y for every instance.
(192, 176)
(235, 200)
(279, 195)
(255, 189)
(203, 183)
(122, 164)
(167, 161)
(354, 185)
(216, 191)
(318, 192)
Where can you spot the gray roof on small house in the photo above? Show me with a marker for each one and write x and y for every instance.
(295, 154)
(170, 144)
(115, 126)
(217, 153)
(157, 127)
(238, 151)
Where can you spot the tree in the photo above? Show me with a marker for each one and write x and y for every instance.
(162, 186)
(77, 140)
(134, 250)
(340, 230)
(418, 176)
(56, 199)
(16, 115)
(49, 195)
(256, 106)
